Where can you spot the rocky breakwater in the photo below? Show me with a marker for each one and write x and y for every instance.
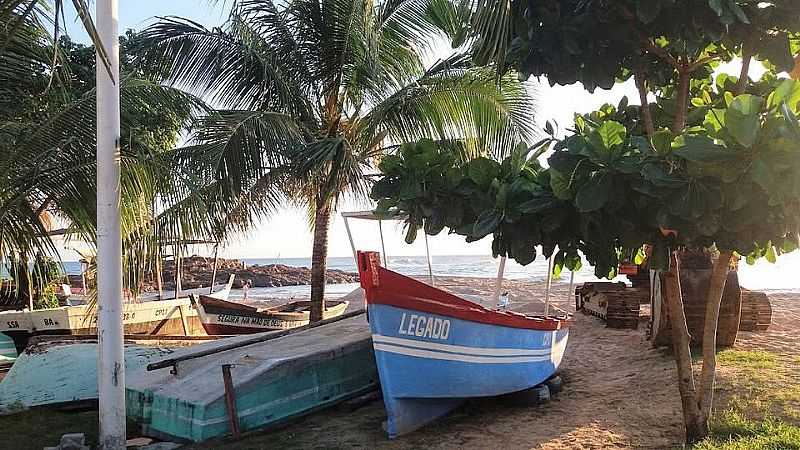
(196, 272)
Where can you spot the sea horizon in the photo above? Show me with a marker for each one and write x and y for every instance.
(780, 276)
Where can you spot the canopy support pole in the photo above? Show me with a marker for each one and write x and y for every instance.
(570, 293)
(214, 271)
(383, 247)
(428, 254)
(547, 289)
(159, 281)
(178, 264)
(111, 361)
(350, 237)
(498, 285)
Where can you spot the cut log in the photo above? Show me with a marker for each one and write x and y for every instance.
(694, 287)
(614, 303)
(756, 311)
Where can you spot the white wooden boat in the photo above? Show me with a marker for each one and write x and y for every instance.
(160, 317)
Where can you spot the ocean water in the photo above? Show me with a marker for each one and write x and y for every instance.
(781, 276)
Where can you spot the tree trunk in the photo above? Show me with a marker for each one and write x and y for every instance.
(647, 116)
(747, 56)
(696, 426)
(319, 257)
(682, 101)
(716, 287)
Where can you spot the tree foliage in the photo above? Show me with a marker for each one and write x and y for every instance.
(732, 180)
(314, 93)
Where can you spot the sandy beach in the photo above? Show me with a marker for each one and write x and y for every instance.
(619, 391)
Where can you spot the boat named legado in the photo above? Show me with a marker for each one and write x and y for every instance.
(464, 349)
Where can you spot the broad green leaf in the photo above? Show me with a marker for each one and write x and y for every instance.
(776, 49)
(389, 164)
(609, 135)
(791, 119)
(523, 251)
(770, 255)
(411, 234)
(486, 224)
(594, 194)
(714, 120)
(483, 170)
(662, 141)
(787, 91)
(640, 256)
(742, 119)
(559, 183)
(701, 149)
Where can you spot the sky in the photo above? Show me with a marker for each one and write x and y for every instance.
(286, 234)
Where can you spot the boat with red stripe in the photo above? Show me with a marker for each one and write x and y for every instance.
(434, 349)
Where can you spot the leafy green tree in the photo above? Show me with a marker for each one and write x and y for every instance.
(316, 92)
(671, 48)
(730, 183)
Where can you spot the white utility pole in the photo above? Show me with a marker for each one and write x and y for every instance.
(111, 361)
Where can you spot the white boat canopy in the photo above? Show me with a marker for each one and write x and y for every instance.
(371, 215)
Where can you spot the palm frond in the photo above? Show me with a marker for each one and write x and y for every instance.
(454, 100)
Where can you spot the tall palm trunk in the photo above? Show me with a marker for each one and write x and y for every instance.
(319, 255)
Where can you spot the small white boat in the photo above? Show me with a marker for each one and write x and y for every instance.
(158, 317)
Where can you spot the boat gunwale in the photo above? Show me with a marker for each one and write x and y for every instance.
(386, 287)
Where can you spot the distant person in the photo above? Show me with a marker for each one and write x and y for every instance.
(502, 302)
(246, 288)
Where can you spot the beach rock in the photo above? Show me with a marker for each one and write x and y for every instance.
(197, 271)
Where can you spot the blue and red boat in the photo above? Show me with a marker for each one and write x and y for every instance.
(434, 349)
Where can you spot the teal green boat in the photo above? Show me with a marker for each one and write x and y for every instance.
(57, 372)
(8, 350)
(290, 374)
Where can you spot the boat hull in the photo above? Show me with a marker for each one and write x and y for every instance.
(430, 363)
(229, 318)
(164, 317)
(435, 349)
(273, 382)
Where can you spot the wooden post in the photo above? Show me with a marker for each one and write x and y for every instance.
(498, 284)
(571, 285)
(547, 288)
(428, 254)
(230, 401)
(184, 322)
(178, 264)
(214, 272)
(350, 237)
(159, 281)
(383, 246)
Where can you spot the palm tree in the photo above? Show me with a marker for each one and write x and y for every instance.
(47, 154)
(315, 91)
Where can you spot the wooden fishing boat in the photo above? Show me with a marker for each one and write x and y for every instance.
(434, 350)
(158, 317)
(60, 372)
(221, 317)
(243, 383)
